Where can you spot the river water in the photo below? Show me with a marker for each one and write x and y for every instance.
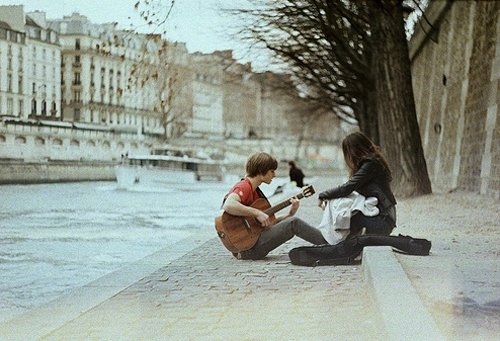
(55, 237)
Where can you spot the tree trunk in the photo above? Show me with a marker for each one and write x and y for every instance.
(367, 117)
(397, 120)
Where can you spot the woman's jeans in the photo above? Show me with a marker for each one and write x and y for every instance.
(278, 234)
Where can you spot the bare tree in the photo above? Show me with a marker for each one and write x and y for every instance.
(161, 68)
(352, 58)
(322, 44)
(352, 55)
(155, 13)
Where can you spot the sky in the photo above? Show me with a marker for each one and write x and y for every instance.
(199, 23)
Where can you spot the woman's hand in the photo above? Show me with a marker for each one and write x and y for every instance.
(322, 204)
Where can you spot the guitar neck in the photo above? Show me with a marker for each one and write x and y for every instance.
(278, 207)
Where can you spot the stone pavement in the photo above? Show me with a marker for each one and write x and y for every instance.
(195, 290)
(206, 294)
(459, 283)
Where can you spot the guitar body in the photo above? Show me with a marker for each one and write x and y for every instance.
(239, 233)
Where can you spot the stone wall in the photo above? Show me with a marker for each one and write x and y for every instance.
(37, 152)
(21, 172)
(38, 141)
(456, 72)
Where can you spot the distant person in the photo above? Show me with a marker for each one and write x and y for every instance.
(370, 176)
(245, 200)
(296, 174)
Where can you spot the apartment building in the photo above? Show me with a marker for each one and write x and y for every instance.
(95, 69)
(29, 66)
(80, 90)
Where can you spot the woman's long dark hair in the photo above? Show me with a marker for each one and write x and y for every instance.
(358, 147)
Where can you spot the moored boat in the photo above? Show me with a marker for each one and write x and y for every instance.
(165, 166)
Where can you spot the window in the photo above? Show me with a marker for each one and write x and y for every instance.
(111, 79)
(10, 106)
(44, 108)
(21, 108)
(77, 78)
(9, 83)
(57, 142)
(20, 85)
(102, 77)
(77, 44)
(39, 141)
(53, 110)
(33, 106)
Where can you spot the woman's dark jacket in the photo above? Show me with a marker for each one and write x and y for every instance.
(371, 180)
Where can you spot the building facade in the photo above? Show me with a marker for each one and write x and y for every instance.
(13, 62)
(74, 90)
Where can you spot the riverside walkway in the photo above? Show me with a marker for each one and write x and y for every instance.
(206, 294)
(195, 290)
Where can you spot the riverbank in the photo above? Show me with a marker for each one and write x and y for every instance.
(24, 172)
(196, 290)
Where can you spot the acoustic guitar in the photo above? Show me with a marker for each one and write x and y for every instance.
(240, 233)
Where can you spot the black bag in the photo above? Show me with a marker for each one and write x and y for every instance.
(346, 252)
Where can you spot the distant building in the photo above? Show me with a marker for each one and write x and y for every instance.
(95, 72)
(71, 89)
(29, 65)
(242, 101)
(12, 61)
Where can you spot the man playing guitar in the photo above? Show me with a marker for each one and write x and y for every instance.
(241, 204)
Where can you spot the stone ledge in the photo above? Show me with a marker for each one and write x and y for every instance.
(404, 315)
